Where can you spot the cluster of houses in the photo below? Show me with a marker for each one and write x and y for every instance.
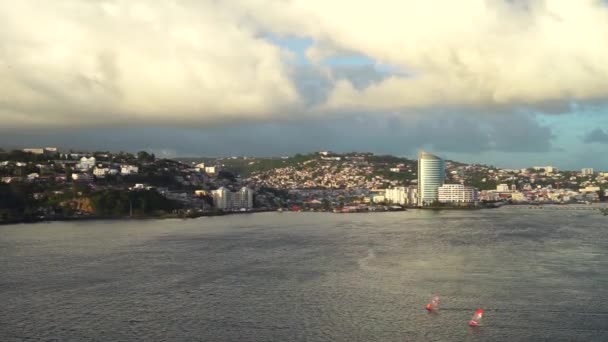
(179, 178)
(545, 194)
(332, 171)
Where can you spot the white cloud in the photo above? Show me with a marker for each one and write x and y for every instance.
(195, 62)
(98, 62)
(471, 53)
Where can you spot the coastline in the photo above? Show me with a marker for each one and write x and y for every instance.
(127, 218)
(194, 215)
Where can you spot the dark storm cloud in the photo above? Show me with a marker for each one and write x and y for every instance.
(363, 132)
(597, 135)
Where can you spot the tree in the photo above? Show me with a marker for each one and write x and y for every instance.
(143, 156)
(326, 204)
(602, 195)
(119, 203)
(68, 173)
(226, 175)
(80, 188)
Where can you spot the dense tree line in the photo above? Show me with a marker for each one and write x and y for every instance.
(25, 157)
(17, 202)
(120, 203)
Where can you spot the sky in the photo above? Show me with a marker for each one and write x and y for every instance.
(511, 83)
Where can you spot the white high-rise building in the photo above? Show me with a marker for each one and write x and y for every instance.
(227, 200)
(397, 195)
(457, 193)
(402, 195)
(587, 171)
(221, 198)
(431, 175)
(243, 198)
(412, 195)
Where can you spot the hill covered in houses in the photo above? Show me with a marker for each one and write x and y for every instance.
(46, 183)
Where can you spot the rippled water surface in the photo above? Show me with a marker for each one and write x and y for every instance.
(540, 276)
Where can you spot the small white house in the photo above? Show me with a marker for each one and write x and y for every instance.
(100, 172)
(211, 170)
(129, 170)
(86, 163)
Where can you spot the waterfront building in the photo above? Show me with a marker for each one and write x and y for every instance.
(402, 195)
(518, 197)
(378, 198)
(221, 198)
(225, 199)
(396, 195)
(431, 175)
(457, 193)
(412, 195)
(243, 198)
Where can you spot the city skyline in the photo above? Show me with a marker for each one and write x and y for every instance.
(504, 82)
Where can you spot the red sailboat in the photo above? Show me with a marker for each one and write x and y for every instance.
(476, 319)
(433, 304)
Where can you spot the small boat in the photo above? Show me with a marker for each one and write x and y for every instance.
(433, 304)
(476, 319)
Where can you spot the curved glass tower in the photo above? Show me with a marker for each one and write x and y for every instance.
(431, 175)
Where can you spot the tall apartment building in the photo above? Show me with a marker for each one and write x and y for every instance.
(225, 199)
(457, 193)
(587, 171)
(431, 175)
(402, 195)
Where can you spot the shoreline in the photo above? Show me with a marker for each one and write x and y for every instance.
(127, 218)
(225, 213)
